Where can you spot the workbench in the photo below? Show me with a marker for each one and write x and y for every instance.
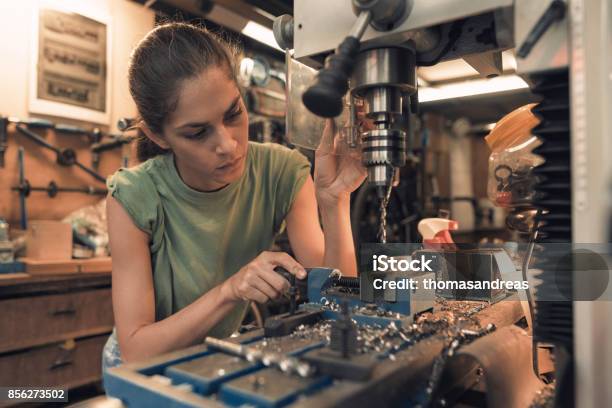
(53, 328)
(201, 376)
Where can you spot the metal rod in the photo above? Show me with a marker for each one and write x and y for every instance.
(90, 172)
(42, 142)
(363, 20)
(287, 364)
(226, 346)
(37, 139)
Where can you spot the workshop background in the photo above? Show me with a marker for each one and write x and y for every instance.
(55, 268)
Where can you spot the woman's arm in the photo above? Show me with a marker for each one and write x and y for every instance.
(335, 178)
(312, 248)
(140, 336)
(134, 297)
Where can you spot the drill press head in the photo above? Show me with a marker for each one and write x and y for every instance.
(384, 78)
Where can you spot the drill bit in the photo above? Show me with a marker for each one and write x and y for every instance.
(384, 197)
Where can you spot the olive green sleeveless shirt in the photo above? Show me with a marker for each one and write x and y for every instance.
(199, 239)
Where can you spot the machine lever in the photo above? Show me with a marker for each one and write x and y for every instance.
(324, 97)
(555, 12)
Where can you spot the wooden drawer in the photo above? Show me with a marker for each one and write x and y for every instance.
(67, 364)
(37, 320)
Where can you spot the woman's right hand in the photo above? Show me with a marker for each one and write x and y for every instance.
(257, 281)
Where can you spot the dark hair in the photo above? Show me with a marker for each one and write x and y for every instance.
(168, 55)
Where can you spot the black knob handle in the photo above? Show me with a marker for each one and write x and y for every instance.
(324, 97)
(293, 291)
(285, 274)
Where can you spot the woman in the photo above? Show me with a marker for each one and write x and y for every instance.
(190, 226)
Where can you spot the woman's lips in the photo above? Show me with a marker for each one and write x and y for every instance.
(230, 165)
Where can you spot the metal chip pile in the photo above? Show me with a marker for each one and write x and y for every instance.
(452, 320)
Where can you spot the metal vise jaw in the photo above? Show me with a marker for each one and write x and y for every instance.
(323, 286)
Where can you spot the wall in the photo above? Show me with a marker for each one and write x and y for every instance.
(129, 23)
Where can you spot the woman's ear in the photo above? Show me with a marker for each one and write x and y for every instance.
(155, 138)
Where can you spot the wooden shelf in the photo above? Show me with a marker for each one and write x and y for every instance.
(44, 267)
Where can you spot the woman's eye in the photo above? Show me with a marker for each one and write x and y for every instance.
(198, 135)
(233, 115)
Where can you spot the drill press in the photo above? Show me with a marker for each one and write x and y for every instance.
(384, 78)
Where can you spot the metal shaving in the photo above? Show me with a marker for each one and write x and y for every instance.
(463, 308)
(454, 321)
(368, 310)
(450, 318)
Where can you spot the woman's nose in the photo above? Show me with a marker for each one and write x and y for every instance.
(227, 144)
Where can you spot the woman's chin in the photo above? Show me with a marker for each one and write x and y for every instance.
(229, 176)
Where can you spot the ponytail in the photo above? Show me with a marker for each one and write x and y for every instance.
(146, 148)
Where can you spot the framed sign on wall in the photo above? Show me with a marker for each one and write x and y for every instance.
(70, 65)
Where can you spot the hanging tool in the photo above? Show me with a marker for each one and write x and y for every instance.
(115, 142)
(52, 189)
(64, 157)
(22, 182)
(3, 138)
(94, 135)
(24, 188)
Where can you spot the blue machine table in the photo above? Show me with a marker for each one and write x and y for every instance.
(332, 351)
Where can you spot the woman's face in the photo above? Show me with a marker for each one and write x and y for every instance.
(208, 131)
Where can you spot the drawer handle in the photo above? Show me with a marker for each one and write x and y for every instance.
(59, 364)
(63, 361)
(67, 311)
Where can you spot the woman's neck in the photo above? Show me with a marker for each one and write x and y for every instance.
(195, 180)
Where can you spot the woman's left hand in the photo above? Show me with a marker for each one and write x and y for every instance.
(337, 174)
